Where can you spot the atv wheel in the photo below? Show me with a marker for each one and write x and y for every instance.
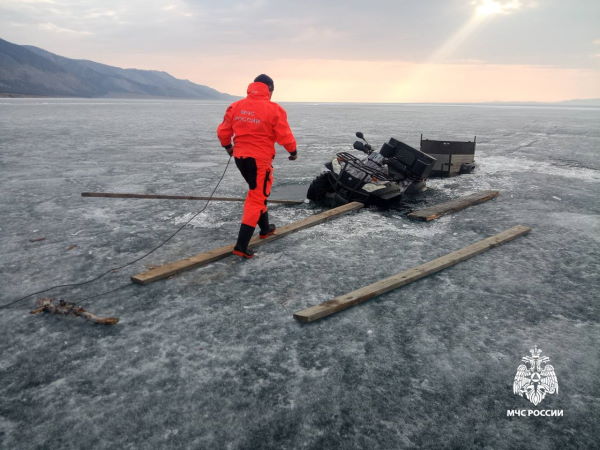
(319, 188)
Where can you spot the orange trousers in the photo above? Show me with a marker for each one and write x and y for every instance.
(259, 176)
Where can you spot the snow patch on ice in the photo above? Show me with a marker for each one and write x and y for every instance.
(256, 306)
(196, 165)
(491, 165)
(588, 224)
(203, 220)
(99, 214)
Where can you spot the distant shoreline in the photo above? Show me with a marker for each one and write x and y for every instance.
(591, 103)
(5, 95)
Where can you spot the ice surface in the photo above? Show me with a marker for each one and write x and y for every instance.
(213, 359)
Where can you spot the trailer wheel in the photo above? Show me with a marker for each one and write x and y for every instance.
(319, 188)
(467, 168)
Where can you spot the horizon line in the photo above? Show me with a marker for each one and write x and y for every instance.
(4, 95)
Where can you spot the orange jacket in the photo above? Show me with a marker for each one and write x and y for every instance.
(256, 123)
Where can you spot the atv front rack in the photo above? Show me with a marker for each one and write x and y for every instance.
(354, 174)
(371, 174)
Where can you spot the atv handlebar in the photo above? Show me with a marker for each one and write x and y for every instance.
(366, 148)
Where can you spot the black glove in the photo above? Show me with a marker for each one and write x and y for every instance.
(293, 155)
(229, 149)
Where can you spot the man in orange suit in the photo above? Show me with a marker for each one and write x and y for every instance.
(255, 124)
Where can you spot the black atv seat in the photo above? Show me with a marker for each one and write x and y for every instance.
(407, 160)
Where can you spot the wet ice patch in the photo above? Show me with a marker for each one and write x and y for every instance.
(6, 426)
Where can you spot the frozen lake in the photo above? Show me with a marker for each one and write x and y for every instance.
(212, 358)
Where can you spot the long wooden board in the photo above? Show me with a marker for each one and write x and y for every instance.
(201, 259)
(435, 211)
(363, 294)
(180, 197)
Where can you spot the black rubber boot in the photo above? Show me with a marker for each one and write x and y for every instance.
(266, 229)
(241, 247)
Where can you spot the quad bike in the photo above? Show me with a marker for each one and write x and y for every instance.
(381, 177)
(386, 176)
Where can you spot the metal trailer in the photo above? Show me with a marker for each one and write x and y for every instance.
(451, 157)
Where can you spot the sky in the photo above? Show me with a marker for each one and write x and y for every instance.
(334, 51)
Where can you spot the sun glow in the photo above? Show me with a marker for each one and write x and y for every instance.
(484, 11)
(486, 8)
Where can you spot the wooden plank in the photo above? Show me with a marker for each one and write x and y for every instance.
(435, 211)
(363, 294)
(179, 197)
(202, 259)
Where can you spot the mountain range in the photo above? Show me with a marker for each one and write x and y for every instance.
(26, 70)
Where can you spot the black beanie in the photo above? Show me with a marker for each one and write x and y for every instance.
(266, 79)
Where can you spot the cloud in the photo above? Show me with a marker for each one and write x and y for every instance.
(178, 8)
(379, 30)
(32, 2)
(101, 13)
(57, 29)
(318, 35)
